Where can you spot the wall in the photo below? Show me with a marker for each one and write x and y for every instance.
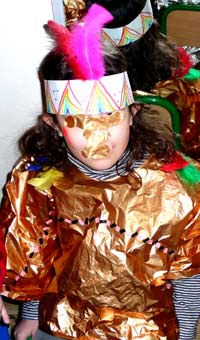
(23, 45)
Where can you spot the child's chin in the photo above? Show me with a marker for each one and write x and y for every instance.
(100, 164)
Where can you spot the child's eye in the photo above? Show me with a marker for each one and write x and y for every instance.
(111, 113)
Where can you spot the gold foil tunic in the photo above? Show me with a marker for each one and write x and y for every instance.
(99, 254)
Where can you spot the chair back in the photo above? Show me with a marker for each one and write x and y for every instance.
(181, 24)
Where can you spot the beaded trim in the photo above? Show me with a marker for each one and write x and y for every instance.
(97, 220)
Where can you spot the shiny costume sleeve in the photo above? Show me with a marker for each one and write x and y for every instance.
(31, 240)
(2, 260)
(5, 220)
(186, 259)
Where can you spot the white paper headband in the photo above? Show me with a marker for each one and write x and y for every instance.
(88, 97)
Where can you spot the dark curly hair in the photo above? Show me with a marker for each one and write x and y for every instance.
(148, 132)
(150, 59)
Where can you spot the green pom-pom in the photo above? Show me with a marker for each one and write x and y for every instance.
(192, 74)
(190, 174)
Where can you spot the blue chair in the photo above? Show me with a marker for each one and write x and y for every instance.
(4, 332)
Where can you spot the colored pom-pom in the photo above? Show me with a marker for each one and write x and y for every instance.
(184, 168)
(185, 62)
(179, 162)
(193, 74)
(45, 180)
(190, 174)
(34, 167)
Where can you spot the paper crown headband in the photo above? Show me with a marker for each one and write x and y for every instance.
(81, 49)
(134, 30)
(108, 94)
(131, 18)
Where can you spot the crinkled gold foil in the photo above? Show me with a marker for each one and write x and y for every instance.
(96, 132)
(101, 269)
(96, 144)
(95, 122)
(186, 96)
(74, 10)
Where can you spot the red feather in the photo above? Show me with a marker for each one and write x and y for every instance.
(63, 38)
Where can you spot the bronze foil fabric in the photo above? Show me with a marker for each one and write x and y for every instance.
(74, 10)
(99, 254)
(186, 96)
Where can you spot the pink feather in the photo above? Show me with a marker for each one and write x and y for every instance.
(81, 45)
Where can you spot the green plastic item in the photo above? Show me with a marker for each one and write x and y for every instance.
(29, 338)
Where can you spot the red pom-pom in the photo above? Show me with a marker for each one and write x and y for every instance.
(178, 163)
(185, 63)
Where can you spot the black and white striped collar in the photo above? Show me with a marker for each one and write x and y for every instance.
(115, 170)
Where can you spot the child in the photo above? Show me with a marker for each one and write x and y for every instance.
(99, 227)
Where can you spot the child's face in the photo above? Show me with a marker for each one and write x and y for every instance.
(97, 141)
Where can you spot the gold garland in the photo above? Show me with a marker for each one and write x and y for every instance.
(74, 10)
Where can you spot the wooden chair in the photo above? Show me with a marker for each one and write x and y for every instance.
(181, 24)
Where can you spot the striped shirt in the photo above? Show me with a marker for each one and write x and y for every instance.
(186, 297)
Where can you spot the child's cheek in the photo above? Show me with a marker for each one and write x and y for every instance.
(66, 134)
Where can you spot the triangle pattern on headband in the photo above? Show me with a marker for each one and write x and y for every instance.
(134, 30)
(126, 94)
(49, 100)
(69, 103)
(108, 94)
(102, 99)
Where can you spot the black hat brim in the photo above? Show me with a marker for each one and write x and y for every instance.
(123, 11)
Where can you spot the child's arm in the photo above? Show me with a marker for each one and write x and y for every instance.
(25, 329)
(28, 325)
(32, 242)
(186, 261)
(186, 298)
(3, 312)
